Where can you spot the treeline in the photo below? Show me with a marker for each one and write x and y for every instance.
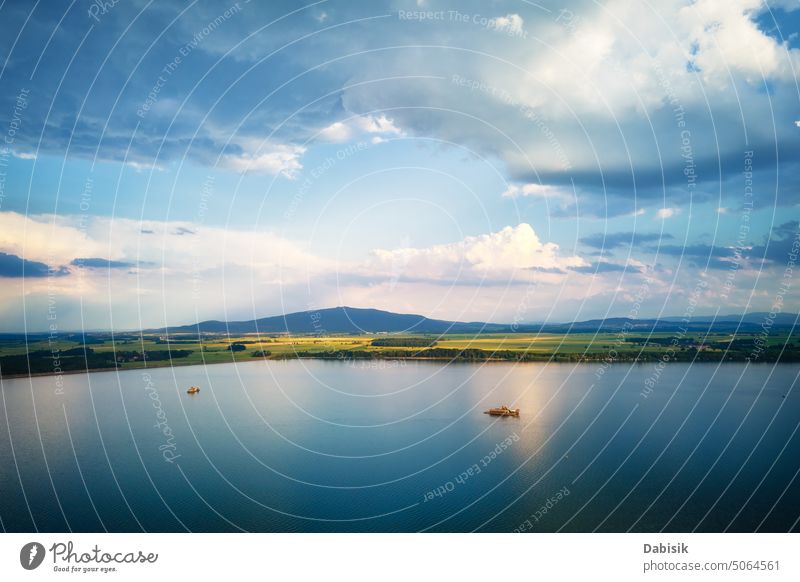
(78, 360)
(465, 355)
(47, 362)
(404, 342)
(735, 350)
(770, 354)
(662, 341)
(149, 355)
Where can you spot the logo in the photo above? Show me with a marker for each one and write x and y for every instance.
(31, 555)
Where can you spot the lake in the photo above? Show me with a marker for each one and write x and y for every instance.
(326, 446)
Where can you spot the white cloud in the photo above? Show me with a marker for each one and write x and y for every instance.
(341, 131)
(180, 270)
(599, 92)
(602, 55)
(144, 167)
(510, 24)
(279, 159)
(192, 272)
(538, 191)
(498, 254)
(726, 37)
(664, 213)
(171, 245)
(189, 271)
(336, 132)
(45, 239)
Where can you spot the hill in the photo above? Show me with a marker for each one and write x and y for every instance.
(347, 320)
(354, 320)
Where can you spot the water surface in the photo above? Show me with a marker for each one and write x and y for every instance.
(331, 446)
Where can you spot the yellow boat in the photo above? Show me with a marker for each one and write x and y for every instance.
(502, 411)
(193, 390)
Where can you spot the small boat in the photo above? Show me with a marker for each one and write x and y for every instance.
(502, 411)
(193, 390)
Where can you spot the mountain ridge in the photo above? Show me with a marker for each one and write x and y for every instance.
(349, 320)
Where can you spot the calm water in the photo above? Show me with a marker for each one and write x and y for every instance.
(325, 446)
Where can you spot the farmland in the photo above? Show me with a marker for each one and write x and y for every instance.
(75, 353)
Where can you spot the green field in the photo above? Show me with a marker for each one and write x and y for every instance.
(43, 355)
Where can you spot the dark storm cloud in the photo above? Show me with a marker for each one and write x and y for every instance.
(12, 266)
(98, 263)
(110, 95)
(775, 250)
(614, 240)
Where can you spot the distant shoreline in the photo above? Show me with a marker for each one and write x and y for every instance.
(366, 361)
(57, 357)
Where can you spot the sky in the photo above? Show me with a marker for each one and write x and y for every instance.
(508, 161)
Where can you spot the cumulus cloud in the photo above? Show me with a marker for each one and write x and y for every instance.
(45, 238)
(497, 254)
(726, 37)
(219, 273)
(168, 276)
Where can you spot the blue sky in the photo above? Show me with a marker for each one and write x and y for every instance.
(502, 160)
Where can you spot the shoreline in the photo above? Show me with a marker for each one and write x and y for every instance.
(366, 362)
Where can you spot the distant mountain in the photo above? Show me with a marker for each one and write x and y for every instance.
(749, 324)
(340, 320)
(354, 320)
(756, 317)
